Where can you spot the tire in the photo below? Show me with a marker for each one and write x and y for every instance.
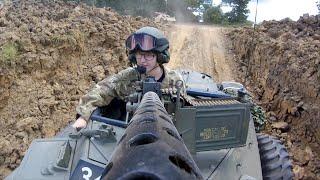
(275, 162)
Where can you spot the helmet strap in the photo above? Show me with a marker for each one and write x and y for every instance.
(157, 66)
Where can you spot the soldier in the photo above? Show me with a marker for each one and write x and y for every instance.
(148, 51)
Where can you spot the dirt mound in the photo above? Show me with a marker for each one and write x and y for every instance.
(280, 62)
(51, 53)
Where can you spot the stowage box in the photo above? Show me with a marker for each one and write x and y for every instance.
(214, 124)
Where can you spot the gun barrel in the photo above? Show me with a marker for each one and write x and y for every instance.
(151, 147)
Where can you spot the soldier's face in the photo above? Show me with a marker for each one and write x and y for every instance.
(147, 60)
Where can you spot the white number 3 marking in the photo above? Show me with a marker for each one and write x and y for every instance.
(88, 173)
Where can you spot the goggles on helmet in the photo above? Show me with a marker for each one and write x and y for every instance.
(144, 41)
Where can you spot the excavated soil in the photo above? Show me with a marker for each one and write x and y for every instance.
(280, 63)
(51, 53)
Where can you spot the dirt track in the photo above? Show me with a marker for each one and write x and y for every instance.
(200, 48)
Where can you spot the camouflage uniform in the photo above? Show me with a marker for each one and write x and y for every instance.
(117, 86)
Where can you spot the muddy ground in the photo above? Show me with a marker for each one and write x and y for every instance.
(52, 53)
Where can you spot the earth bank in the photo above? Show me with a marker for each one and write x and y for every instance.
(280, 63)
(52, 52)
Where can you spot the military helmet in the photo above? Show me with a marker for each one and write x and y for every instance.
(148, 39)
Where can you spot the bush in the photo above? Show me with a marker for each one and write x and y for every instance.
(214, 15)
(9, 51)
(73, 41)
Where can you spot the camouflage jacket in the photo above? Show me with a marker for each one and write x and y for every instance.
(117, 86)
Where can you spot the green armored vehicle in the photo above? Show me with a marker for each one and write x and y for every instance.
(204, 133)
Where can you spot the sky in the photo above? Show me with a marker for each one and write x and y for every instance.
(278, 9)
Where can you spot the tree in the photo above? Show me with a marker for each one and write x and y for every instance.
(179, 9)
(239, 11)
(214, 15)
(193, 3)
(146, 8)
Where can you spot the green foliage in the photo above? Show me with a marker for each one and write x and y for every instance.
(257, 113)
(9, 51)
(146, 8)
(239, 10)
(237, 16)
(259, 117)
(136, 8)
(193, 3)
(177, 8)
(214, 15)
(73, 41)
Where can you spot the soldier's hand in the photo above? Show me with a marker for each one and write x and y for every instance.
(79, 123)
